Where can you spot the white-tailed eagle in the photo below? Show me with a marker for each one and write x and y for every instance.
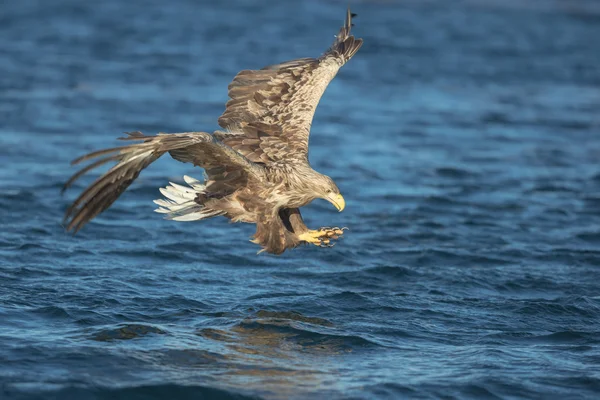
(256, 168)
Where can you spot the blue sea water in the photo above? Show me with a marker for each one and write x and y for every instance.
(465, 137)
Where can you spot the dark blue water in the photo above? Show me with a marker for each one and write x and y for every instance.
(465, 137)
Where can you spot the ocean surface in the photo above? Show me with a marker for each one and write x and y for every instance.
(465, 137)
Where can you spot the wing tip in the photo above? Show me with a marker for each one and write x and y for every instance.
(349, 17)
(345, 45)
(348, 23)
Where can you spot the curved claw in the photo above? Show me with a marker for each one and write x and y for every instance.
(326, 245)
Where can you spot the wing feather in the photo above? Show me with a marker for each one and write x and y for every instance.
(224, 167)
(270, 111)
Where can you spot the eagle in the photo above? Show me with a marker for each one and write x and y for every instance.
(256, 169)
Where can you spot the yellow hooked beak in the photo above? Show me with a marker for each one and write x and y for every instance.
(337, 200)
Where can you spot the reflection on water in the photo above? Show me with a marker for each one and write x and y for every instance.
(283, 351)
(275, 353)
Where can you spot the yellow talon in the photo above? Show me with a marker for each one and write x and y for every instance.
(321, 237)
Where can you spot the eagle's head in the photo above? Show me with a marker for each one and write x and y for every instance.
(326, 189)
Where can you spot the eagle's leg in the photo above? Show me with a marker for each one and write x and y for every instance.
(321, 237)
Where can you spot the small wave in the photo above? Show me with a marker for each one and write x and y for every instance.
(550, 188)
(147, 392)
(30, 246)
(450, 257)
(562, 337)
(126, 332)
(453, 172)
(53, 312)
(149, 253)
(282, 334)
(293, 316)
(568, 337)
(28, 272)
(371, 278)
(348, 298)
(23, 196)
(392, 391)
(274, 295)
(441, 201)
(389, 272)
(590, 237)
(566, 306)
(179, 301)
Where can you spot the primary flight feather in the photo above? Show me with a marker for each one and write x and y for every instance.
(256, 169)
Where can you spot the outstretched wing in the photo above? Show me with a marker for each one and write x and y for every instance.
(226, 169)
(270, 112)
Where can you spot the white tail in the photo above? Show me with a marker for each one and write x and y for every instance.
(180, 202)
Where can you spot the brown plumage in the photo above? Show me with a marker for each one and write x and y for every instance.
(257, 168)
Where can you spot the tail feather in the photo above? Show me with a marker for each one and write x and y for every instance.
(185, 191)
(196, 216)
(195, 183)
(177, 195)
(181, 204)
